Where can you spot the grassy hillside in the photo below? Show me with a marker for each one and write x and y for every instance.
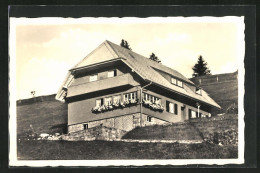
(223, 88)
(196, 129)
(224, 93)
(45, 116)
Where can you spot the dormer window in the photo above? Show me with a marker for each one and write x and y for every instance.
(198, 90)
(111, 73)
(93, 77)
(173, 81)
(179, 83)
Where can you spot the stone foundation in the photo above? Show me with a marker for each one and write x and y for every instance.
(125, 123)
(95, 133)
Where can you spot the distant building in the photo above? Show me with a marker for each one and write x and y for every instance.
(116, 87)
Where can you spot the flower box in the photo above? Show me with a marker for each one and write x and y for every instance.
(153, 106)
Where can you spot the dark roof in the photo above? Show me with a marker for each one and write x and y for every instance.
(145, 68)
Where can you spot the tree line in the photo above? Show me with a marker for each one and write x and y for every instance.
(199, 69)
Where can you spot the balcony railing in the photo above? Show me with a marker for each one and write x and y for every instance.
(103, 84)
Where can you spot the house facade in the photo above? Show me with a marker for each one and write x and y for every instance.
(116, 87)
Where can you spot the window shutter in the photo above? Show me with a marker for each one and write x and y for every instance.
(196, 114)
(176, 109)
(102, 101)
(167, 106)
(200, 115)
(189, 113)
(115, 73)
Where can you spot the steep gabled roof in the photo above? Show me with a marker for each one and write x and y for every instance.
(144, 67)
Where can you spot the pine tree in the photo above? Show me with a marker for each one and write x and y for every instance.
(125, 44)
(154, 58)
(200, 69)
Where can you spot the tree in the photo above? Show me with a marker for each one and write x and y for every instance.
(154, 58)
(125, 44)
(200, 69)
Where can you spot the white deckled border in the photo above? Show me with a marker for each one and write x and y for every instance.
(62, 21)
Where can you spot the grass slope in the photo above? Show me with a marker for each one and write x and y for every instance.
(224, 93)
(224, 90)
(104, 150)
(195, 129)
(45, 117)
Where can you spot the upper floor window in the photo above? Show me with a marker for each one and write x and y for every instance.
(111, 73)
(108, 100)
(133, 95)
(117, 99)
(93, 77)
(173, 81)
(179, 83)
(171, 107)
(151, 98)
(157, 100)
(99, 102)
(130, 96)
(198, 91)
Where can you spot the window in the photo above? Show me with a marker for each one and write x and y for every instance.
(174, 81)
(144, 95)
(179, 83)
(171, 107)
(99, 102)
(151, 98)
(126, 96)
(111, 73)
(129, 96)
(149, 119)
(116, 99)
(176, 109)
(108, 100)
(133, 95)
(85, 126)
(93, 77)
(158, 101)
(198, 91)
(193, 114)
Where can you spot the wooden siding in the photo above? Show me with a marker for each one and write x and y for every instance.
(80, 111)
(99, 85)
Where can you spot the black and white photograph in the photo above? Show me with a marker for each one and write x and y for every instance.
(126, 91)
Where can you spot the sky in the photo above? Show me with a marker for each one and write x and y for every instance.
(45, 49)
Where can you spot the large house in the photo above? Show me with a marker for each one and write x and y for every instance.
(116, 87)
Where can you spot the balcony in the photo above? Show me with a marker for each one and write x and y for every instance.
(99, 85)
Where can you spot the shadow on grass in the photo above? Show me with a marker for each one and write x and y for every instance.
(62, 126)
(107, 150)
